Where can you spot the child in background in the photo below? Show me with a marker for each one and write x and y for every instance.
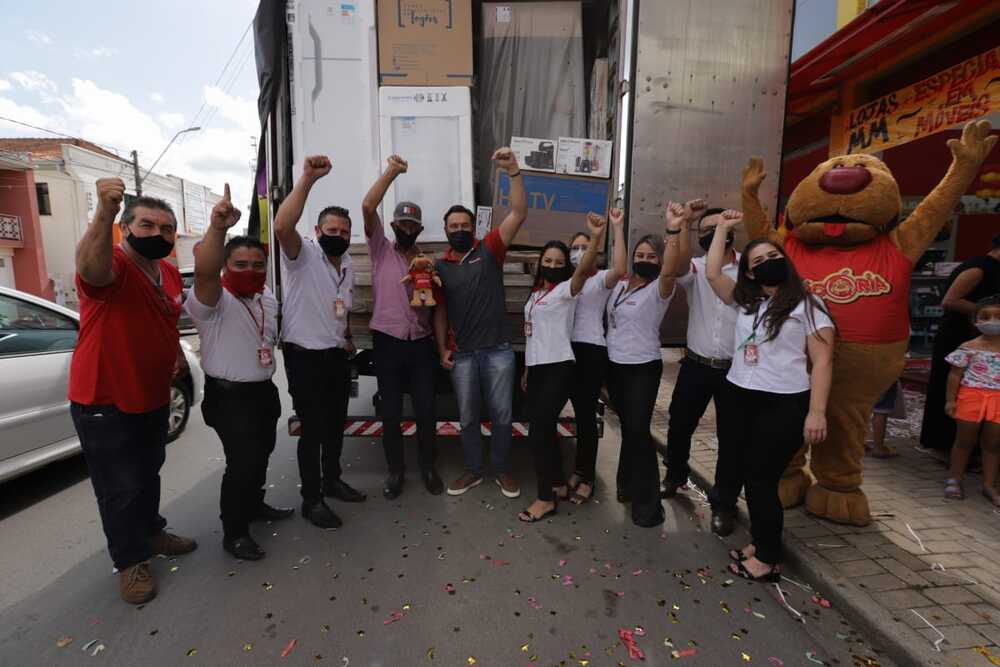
(973, 400)
(891, 406)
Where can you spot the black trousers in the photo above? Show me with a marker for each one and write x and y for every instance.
(697, 384)
(245, 416)
(590, 371)
(548, 391)
(766, 429)
(319, 382)
(633, 389)
(124, 454)
(406, 366)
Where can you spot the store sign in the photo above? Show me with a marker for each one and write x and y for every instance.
(10, 228)
(951, 97)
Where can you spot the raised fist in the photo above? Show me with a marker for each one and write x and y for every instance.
(110, 192)
(753, 175)
(224, 214)
(975, 145)
(617, 217)
(505, 159)
(596, 224)
(675, 214)
(316, 167)
(398, 164)
(694, 207)
(731, 218)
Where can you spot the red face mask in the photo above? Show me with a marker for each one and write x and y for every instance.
(244, 283)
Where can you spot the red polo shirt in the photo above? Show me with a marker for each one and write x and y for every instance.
(128, 342)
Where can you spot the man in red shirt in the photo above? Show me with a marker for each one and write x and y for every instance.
(119, 385)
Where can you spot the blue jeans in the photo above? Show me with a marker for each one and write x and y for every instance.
(486, 374)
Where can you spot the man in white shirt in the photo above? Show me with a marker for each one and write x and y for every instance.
(703, 371)
(237, 320)
(316, 340)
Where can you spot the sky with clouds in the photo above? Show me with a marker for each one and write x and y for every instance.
(128, 75)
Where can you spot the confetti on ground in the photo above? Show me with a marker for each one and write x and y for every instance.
(430, 653)
(821, 601)
(534, 603)
(471, 660)
(248, 646)
(174, 568)
(628, 639)
(937, 642)
(86, 647)
(393, 617)
(745, 657)
(776, 661)
(63, 642)
(562, 563)
(449, 589)
(192, 652)
(304, 560)
(289, 648)
(683, 653)
(811, 657)
(724, 607)
(267, 586)
(985, 652)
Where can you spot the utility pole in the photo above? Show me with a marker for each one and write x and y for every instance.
(135, 170)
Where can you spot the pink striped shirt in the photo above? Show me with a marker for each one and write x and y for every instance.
(392, 313)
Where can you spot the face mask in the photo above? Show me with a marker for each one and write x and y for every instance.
(705, 241)
(771, 272)
(460, 241)
(150, 247)
(244, 283)
(333, 245)
(553, 274)
(989, 327)
(646, 270)
(576, 255)
(404, 240)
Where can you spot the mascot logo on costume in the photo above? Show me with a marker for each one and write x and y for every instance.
(845, 286)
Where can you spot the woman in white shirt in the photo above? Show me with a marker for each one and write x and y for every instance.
(548, 357)
(773, 403)
(591, 353)
(634, 312)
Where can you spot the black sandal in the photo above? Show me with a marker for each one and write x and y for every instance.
(576, 498)
(737, 555)
(527, 517)
(771, 577)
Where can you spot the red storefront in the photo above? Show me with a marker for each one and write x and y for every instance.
(896, 82)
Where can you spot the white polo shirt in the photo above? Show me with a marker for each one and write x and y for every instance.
(711, 322)
(312, 286)
(588, 324)
(233, 331)
(634, 318)
(781, 363)
(549, 314)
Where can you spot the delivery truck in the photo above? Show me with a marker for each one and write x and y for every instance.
(681, 92)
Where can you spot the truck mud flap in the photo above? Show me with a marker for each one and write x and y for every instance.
(360, 427)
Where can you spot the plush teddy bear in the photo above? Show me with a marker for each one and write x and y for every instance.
(840, 230)
(424, 276)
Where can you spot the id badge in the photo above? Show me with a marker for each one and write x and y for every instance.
(339, 308)
(750, 354)
(527, 329)
(265, 357)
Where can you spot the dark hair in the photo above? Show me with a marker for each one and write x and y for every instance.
(996, 242)
(567, 267)
(458, 208)
(653, 240)
(992, 301)
(707, 212)
(748, 293)
(237, 242)
(146, 202)
(578, 235)
(338, 211)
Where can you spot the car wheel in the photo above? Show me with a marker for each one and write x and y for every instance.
(180, 410)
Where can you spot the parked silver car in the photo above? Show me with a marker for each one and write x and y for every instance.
(37, 338)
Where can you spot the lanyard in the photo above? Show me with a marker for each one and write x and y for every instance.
(758, 316)
(257, 325)
(534, 302)
(626, 293)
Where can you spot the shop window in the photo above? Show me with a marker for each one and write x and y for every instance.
(44, 205)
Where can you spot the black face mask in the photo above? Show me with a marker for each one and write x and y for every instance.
(553, 274)
(771, 272)
(460, 241)
(335, 246)
(405, 240)
(705, 241)
(150, 247)
(646, 270)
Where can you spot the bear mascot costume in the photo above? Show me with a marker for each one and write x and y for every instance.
(840, 230)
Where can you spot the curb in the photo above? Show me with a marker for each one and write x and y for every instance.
(897, 640)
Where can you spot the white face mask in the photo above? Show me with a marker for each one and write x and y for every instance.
(575, 255)
(989, 327)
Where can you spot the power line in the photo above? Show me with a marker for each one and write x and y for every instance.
(228, 87)
(115, 149)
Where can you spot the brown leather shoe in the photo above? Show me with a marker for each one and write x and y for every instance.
(508, 486)
(467, 481)
(136, 583)
(168, 544)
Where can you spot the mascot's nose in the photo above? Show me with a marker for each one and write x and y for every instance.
(845, 180)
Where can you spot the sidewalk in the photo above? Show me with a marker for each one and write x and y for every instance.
(920, 555)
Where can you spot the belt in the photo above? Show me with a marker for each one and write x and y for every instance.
(722, 364)
(298, 348)
(230, 384)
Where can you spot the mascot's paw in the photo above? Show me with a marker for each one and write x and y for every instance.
(849, 507)
(793, 487)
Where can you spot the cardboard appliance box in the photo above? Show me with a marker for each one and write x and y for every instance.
(425, 42)
(584, 157)
(534, 154)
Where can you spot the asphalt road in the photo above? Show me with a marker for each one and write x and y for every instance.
(421, 580)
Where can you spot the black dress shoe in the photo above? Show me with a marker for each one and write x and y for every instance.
(339, 489)
(320, 515)
(723, 523)
(244, 548)
(434, 485)
(393, 485)
(267, 513)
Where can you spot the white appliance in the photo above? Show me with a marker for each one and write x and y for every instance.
(334, 102)
(431, 128)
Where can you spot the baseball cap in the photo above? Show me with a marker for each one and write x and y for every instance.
(407, 210)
